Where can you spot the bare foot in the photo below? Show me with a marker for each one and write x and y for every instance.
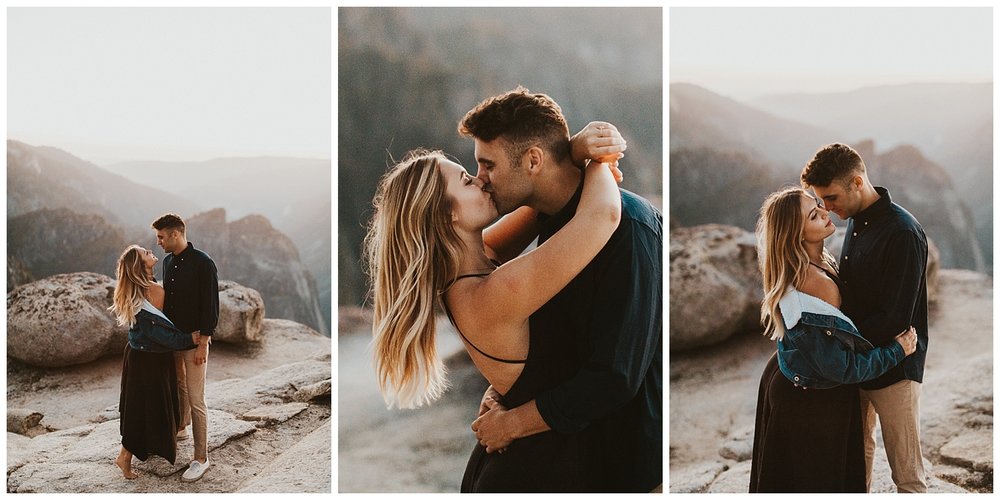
(126, 468)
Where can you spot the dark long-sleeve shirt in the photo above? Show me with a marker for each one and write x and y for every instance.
(191, 284)
(883, 264)
(609, 322)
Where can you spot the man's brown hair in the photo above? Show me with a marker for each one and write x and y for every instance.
(833, 162)
(169, 221)
(522, 118)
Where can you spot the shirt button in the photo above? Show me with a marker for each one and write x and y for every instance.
(796, 378)
(845, 258)
(866, 223)
(828, 332)
(855, 234)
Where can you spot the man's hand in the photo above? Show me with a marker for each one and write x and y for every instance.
(908, 340)
(491, 394)
(599, 141)
(201, 353)
(493, 429)
(196, 337)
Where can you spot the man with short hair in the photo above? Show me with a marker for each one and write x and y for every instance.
(191, 285)
(607, 323)
(883, 266)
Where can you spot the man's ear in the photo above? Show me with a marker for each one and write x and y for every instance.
(858, 182)
(536, 157)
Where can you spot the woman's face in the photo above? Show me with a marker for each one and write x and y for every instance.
(472, 208)
(817, 224)
(148, 259)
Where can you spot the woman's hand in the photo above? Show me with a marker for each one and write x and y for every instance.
(196, 337)
(908, 340)
(599, 141)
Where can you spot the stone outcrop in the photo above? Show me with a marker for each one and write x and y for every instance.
(63, 320)
(268, 421)
(715, 284)
(300, 469)
(241, 314)
(20, 420)
(271, 265)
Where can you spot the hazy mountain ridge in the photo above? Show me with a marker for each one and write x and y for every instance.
(252, 252)
(930, 115)
(738, 174)
(702, 118)
(55, 241)
(46, 177)
(55, 238)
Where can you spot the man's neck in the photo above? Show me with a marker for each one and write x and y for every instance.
(180, 248)
(868, 197)
(555, 190)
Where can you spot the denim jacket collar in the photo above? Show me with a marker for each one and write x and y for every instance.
(795, 303)
(149, 307)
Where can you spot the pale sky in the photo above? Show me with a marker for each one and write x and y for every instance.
(747, 52)
(114, 84)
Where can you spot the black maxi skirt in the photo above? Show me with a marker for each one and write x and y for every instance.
(149, 404)
(806, 440)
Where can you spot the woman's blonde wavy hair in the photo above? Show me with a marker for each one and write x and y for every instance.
(130, 290)
(781, 253)
(411, 250)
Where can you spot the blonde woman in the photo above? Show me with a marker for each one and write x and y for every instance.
(431, 245)
(148, 402)
(808, 435)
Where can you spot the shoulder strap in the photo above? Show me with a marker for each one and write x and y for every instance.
(466, 339)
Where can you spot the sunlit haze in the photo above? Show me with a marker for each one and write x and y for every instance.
(748, 52)
(181, 84)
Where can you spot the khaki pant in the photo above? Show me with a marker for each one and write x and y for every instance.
(191, 390)
(898, 409)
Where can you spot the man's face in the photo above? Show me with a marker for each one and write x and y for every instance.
(168, 239)
(509, 185)
(841, 198)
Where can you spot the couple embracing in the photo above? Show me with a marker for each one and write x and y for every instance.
(851, 334)
(569, 334)
(166, 357)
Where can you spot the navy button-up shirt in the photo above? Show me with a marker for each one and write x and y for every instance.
(883, 264)
(609, 323)
(191, 285)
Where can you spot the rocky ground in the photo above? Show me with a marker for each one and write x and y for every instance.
(421, 450)
(269, 422)
(713, 395)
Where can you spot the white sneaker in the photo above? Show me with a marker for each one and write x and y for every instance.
(183, 434)
(195, 471)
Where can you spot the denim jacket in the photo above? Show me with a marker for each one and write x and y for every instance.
(153, 332)
(822, 348)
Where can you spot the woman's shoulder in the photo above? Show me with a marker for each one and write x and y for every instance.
(821, 286)
(155, 295)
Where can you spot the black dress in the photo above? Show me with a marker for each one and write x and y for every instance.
(545, 462)
(806, 440)
(148, 404)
